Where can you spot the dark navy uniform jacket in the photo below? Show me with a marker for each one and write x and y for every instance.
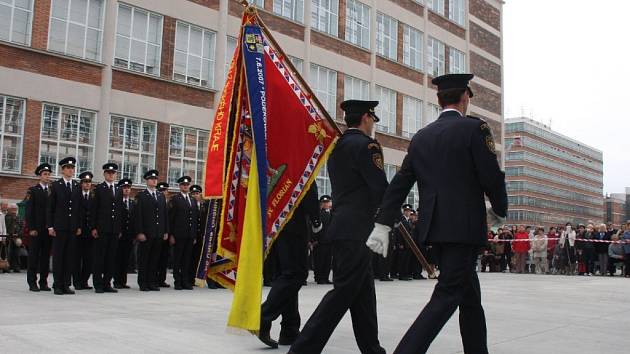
(64, 212)
(151, 215)
(454, 163)
(307, 211)
(183, 217)
(36, 204)
(358, 182)
(105, 209)
(126, 217)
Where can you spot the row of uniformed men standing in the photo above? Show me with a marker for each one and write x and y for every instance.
(92, 230)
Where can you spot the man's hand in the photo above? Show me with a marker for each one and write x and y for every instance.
(165, 237)
(141, 237)
(171, 240)
(51, 232)
(317, 227)
(94, 233)
(79, 232)
(495, 220)
(32, 233)
(378, 241)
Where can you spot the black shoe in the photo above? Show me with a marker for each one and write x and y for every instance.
(324, 282)
(99, 291)
(79, 287)
(178, 287)
(404, 278)
(144, 288)
(386, 279)
(59, 291)
(110, 290)
(68, 291)
(265, 336)
(188, 287)
(16, 271)
(164, 285)
(86, 287)
(117, 286)
(286, 340)
(154, 288)
(44, 287)
(33, 288)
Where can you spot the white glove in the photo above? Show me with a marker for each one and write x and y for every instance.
(318, 228)
(495, 220)
(378, 241)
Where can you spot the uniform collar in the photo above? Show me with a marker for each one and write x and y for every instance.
(452, 110)
(355, 131)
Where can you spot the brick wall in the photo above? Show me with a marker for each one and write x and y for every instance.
(399, 113)
(282, 25)
(340, 94)
(399, 70)
(486, 98)
(14, 188)
(41, 18)
(341, 47)
(485, 68)
(32, 128)
(392, 142)
(410, 5)
(168, 47)
(341, 28)
(447, 24)
(50, 65)
(213, 4)
(485, 40)
(161, 149)
(486, 12)
(142, 85)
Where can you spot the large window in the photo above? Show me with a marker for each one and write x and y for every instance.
(187, 153)
(386, 36)
(16, 17)
(358, 23)
(436, 54)
(76, 28)
(194, 55)
(436, 6)
(412, 116)
(456, 10)
(229, 54)
(456, 61)
(298, 64)
(386, 110)
(414, 197)
(356, 89)
(132, 146)
(11, 133)
(412, 47)
(433, 113)
(390, 171)
(67, 131)
(324, 84)
(292, 9)
(138, 40)
(325, 16)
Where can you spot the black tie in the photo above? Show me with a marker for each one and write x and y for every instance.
(85, 196)
(68, 187)
(154, 195)
(111, 188)
(188, 201)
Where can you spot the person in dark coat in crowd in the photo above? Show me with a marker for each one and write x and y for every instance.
(83, 256)
(165, 248)
(127, 234)
(322, 249)
(183, 213)
(39, 239)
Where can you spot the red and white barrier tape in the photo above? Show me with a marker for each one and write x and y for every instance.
(557, 239)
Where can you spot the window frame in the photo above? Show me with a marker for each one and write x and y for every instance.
(124, 150)
(29, 35)
(173, 179)
(363, 85)
(212, 52)
(145, 41)
(295, 5)
(390, 115)
(381, 37)
(431, 58)
(418, 109)
(458, 18)
(315, 86)
(19, 135)
(58, 141)
(353, 26)
(408, 49)
(451, 56)
(325, 24)
(67, 21)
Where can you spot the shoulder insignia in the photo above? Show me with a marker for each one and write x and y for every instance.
(374, 145)
(490, 144)
(485, 127)
(377, 158)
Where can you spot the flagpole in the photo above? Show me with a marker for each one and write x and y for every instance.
(288, 63)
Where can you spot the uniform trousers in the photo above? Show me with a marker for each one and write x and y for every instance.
(182, 257)
(104, 253)
(353, 289)
(39, 258)
(291, 255)
(64, 247)
(323, 261)
(123, 254)
(165, 247)
(83, 260)
(149, 252)
(457, 287)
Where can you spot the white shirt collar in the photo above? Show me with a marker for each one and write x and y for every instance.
(151, 190)
(452, 109)
(44, 186)
(66, 181)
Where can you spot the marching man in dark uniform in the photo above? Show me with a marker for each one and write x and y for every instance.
(323, 249)
(39, 240)
(63, 218)
(453, 160)
(151, 227)
(165, 248)
(183, 213)
(83, 256)
(358, 182)
(195, 192)
(404, 252)
(125, 242)
(292, 262)
(105, 230)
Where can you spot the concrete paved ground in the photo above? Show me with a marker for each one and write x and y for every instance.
(526, 314)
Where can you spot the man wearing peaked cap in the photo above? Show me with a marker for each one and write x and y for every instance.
(83, 254)
(452, 215)
(183, 213)
(151, 228)
(126, 208)
(403, 252)
(322, 249)
(166, 246)
(195, 188)
(106, 226)
(358, 182)
(39, 240)
(204, 205)
(63, 218)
